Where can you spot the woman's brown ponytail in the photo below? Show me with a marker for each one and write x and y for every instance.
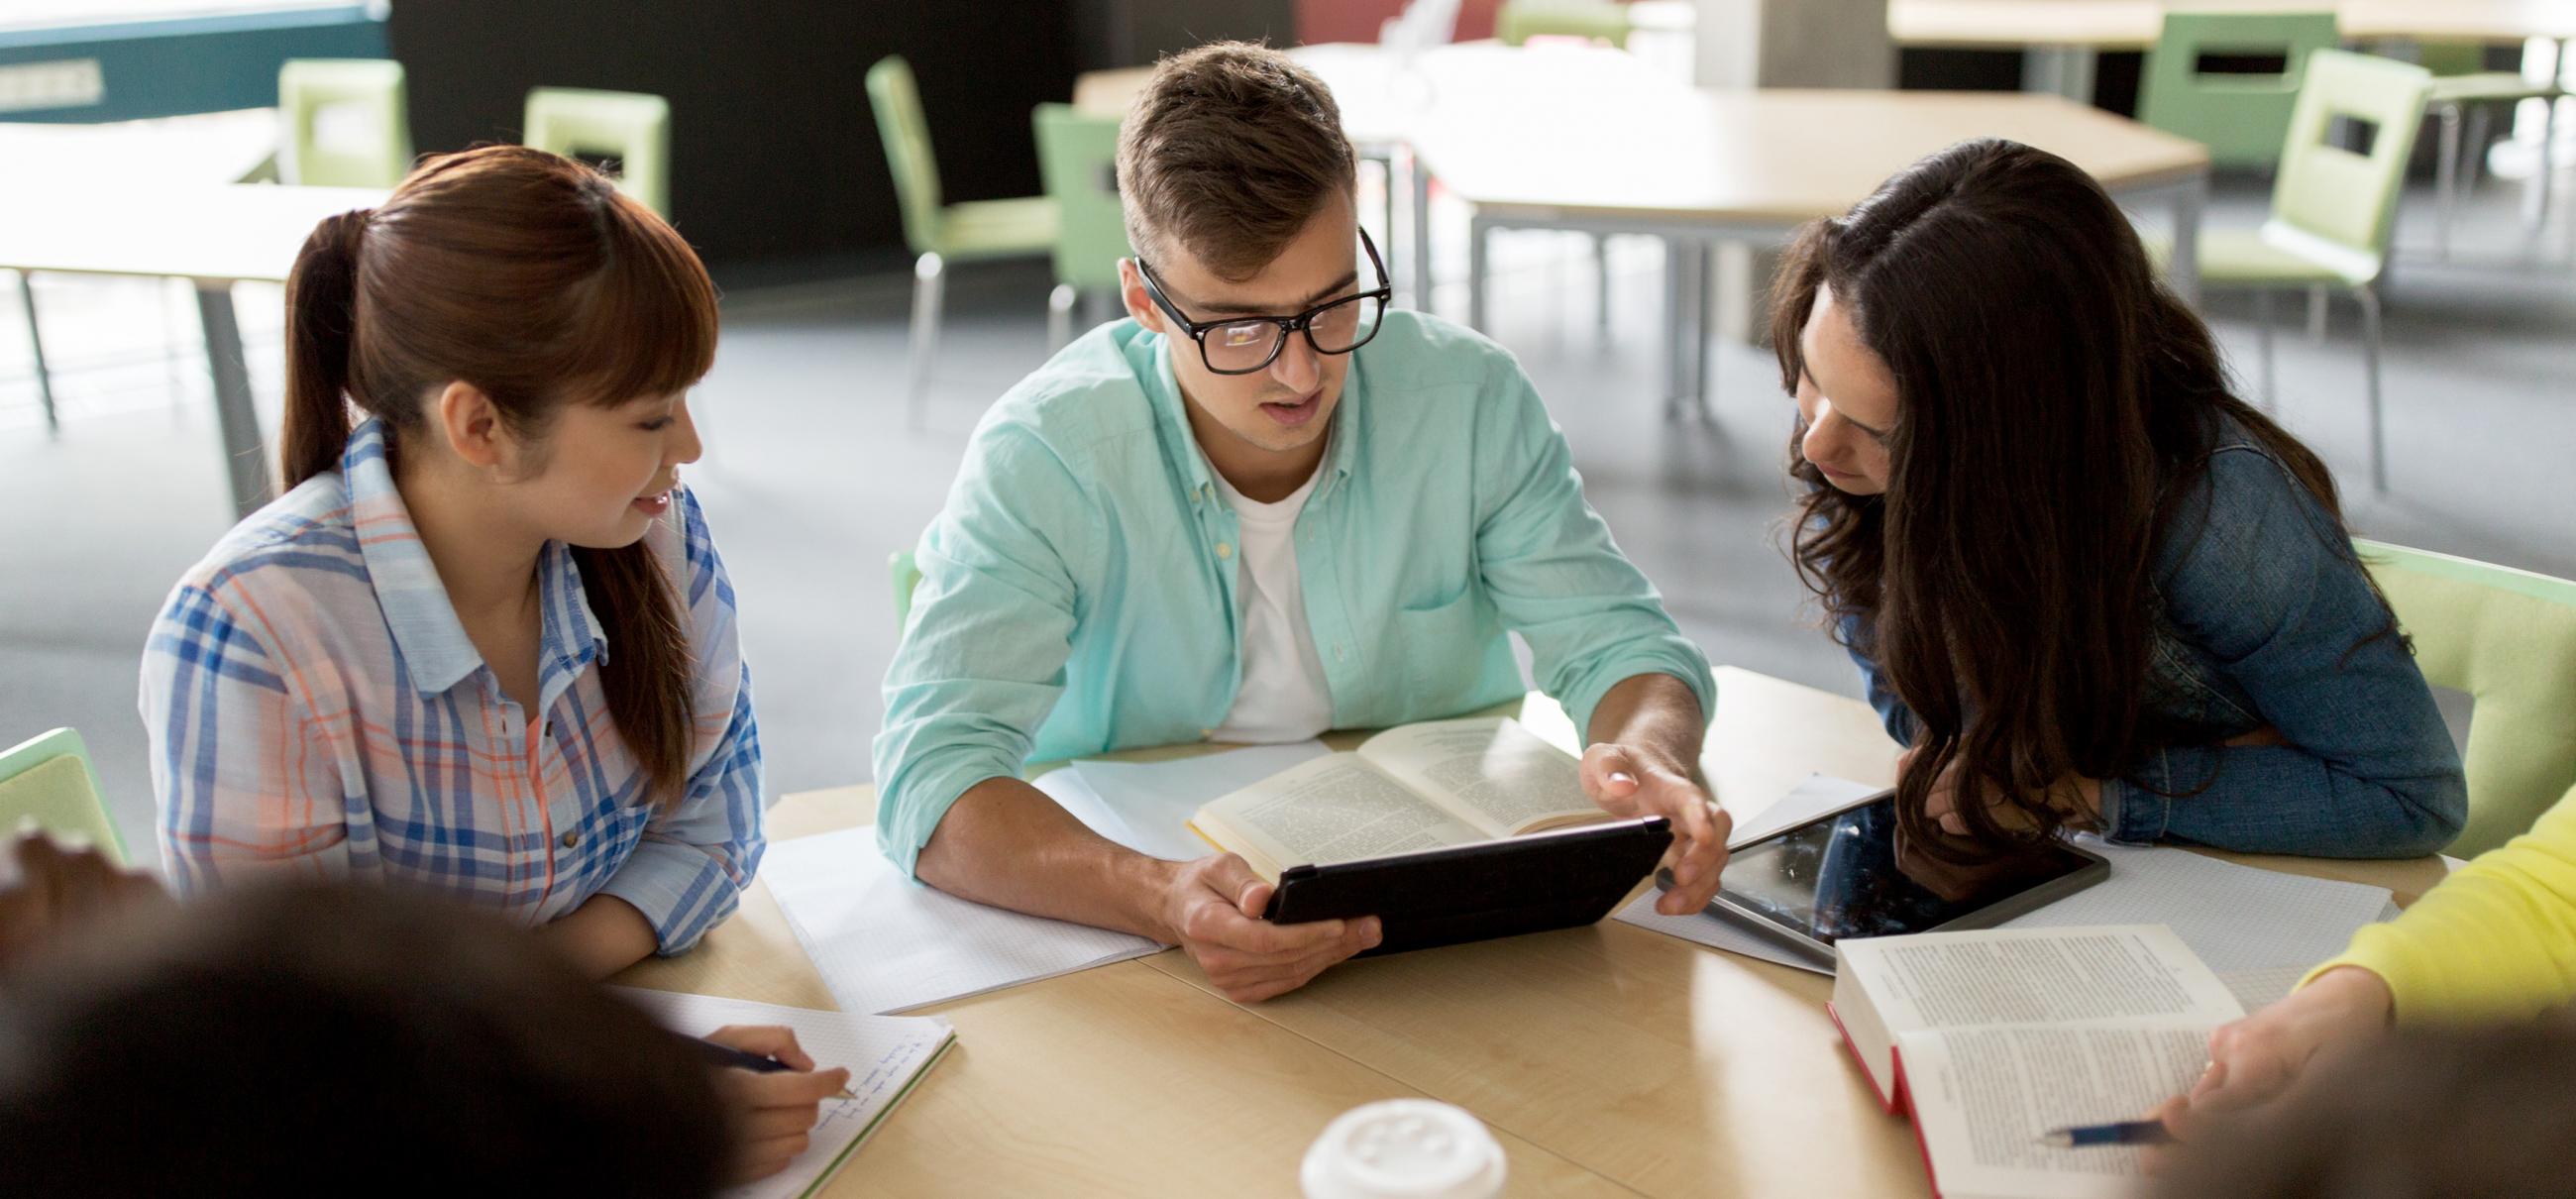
(321, 315)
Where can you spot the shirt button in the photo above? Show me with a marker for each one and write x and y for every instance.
(1337, 653)
(571, 839)
(1224, 549)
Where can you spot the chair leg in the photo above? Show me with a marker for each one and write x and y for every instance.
(1060, 303)
(2370, 364)
(2263, 342)
(2317, 313)
(1601, 284)
(928, 272)
(2477, 148)
(36, 342)
(2446, 181)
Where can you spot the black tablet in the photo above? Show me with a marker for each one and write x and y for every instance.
(1459, 893)
(1837, 876)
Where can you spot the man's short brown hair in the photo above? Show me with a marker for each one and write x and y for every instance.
(1229, 153)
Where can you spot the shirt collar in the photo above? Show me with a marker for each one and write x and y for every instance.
(426, 631)
(1151, 356)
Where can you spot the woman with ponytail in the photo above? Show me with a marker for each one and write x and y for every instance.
(483, 644)
(2086, 585)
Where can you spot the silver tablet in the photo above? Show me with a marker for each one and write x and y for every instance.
(1836, 876)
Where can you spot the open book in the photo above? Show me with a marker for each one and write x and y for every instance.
(886, 1055)
(1416, 786)
(1991, 1039)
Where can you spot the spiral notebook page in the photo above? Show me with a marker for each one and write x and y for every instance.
(884, 943)
(884, 1054)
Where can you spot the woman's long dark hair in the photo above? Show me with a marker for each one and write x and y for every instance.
(2055, 399)
(529, 276)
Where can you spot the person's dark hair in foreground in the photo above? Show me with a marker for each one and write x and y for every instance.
(311, 1039)
(2426, 1113)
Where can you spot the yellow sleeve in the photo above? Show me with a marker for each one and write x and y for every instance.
(2495, 940)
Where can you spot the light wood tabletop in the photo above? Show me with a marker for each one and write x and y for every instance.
(1608, 1060)
(2134, 24)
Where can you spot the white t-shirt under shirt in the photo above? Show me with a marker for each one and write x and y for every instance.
(1283, 696)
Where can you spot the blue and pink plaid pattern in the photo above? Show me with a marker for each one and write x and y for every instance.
(314, 704)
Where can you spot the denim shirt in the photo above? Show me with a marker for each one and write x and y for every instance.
(2263, 618)
(1079, 592)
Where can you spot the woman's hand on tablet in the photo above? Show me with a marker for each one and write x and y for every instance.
(1631, 781)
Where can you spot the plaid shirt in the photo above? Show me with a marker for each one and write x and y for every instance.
(314, 704)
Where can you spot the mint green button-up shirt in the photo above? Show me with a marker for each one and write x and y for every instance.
(1078, 591)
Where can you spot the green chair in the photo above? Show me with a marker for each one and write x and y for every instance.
(2462, 86)
(2241, 117)
(938, 234)
(1078, 161)
(905, 576)
(1517, 21)
(631, 127)
(50, 780)
(2508, 638)
(2332, 208)
(345, 122)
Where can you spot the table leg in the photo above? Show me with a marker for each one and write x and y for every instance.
(1478, 256)
(36, 343)
(245, 462)
(2184, 271)
(1674, 292)
(2059, 71)
(1421, 180)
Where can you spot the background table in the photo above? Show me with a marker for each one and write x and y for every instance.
(1608, 1060)
(211, 235)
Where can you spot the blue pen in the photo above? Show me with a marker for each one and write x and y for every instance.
(2126, 1132)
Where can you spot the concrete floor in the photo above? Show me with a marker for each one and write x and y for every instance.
(811, 479)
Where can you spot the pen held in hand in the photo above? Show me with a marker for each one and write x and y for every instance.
(2126, 1132)
(727, 1055)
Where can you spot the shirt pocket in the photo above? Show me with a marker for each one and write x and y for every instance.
(1442, 646)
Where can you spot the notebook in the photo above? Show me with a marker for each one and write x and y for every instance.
(884, 943)
(886, 1055)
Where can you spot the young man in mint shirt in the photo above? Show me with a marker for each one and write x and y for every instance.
(1262, 507)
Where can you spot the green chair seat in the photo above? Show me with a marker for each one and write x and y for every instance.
(48, 779)
(2246, 258)
(2508, 638)
(970, 230)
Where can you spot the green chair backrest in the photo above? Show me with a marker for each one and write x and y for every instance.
(905, 576)
(2508, 638)
(631, 127)
(2333, 195)
(2240, 117)
(906, 134)
(345, 123)
(49, 778)
(1078, 160)
(1518, 21)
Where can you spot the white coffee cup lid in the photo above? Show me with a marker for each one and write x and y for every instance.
(1404, 1149)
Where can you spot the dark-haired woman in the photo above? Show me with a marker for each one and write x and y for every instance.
(2086, 584)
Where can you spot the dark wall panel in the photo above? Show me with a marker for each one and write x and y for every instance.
(775, 157)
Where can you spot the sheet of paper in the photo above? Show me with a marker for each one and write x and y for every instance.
(2237, 918)
(884, 1054)
(1806, 801)
(1821, 793)
(884, 943)
(1146, 806)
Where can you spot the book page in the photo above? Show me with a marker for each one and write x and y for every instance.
(1982, 1097)
(1498, 776)
(1336, 809)
(2035, 976)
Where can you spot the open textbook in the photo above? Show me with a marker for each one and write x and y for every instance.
(886, 1056)
(1416, 786)
(1991, 1039)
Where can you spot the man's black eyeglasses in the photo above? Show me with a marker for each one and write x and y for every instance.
(1244, 345)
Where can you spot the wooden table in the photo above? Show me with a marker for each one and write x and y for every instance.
(211, 235)
(2062, 38)
(1608, 1060)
